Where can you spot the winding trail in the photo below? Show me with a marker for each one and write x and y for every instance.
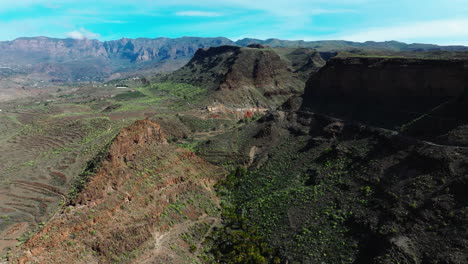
(389, 132)
(416, 140)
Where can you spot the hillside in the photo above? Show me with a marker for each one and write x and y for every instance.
(146, 202)
(255, 76)
(322, 189)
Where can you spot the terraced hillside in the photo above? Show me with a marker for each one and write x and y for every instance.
(41, 155)
(148, 202)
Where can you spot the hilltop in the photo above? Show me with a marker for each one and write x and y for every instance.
(254, 76)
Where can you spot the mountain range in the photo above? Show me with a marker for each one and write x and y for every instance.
(70, 60)
(250, 152)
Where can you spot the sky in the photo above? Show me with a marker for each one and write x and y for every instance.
(442, 22)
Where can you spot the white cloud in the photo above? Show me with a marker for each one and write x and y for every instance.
(320, 11)
(82, 34)
(287, 8)
(436, 29)
(198, 13)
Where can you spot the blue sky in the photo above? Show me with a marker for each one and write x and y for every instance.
(422, 21)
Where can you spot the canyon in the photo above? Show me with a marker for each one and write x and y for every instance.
(253, 152)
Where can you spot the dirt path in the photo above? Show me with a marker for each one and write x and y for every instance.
(44, 188)
(216, 222)
(393, 133)
(211, 133)
(397, 133)
(163, 242)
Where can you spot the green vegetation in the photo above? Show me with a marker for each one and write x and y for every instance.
(90, 169)
(197, 124)
(192, 146)
(129, 95)
(148, 100)
(236, 241)
(289, 204)
(183, 91)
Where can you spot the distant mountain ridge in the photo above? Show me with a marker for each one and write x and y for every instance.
(72, 60)
(339, 45)
(140, 49)
(147, 49)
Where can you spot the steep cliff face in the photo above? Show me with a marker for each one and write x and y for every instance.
(144, 49)
(376, 77)
(48, 49)
(254, 76)
(148, 202)
(140, 49)
(387, 92)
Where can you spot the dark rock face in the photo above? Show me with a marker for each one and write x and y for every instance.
(257, 46)
(375, 77)
(386, 92)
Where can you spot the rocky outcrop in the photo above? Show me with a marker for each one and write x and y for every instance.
(145, 197)
(141, 133)
(306, 61)
(48, 49)
(125, 148)
(254, 76)
(385, 92)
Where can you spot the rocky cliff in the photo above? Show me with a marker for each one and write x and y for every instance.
(251, 76)
(140, 49)
(68, 60)
(386, 92)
